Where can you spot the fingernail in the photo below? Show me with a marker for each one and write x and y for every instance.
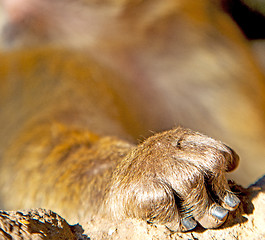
(188, 223)
(219, 212)
(231, 200)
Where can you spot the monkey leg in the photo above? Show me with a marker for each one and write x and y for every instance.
(176, 178)
(54, 166)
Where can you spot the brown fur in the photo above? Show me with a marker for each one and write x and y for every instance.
(122, 69)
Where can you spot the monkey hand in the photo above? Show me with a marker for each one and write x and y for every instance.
(175, 178)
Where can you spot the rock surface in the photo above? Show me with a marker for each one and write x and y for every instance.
(247, 222)
(37, 224)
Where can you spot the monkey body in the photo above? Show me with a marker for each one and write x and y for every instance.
(72, 115)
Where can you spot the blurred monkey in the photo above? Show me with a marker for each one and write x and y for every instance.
(123, 68)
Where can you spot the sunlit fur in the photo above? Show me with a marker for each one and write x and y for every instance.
(83, 82)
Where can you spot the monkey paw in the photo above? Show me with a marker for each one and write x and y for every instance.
(176, 178)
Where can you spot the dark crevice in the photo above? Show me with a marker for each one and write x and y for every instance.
(252, 22)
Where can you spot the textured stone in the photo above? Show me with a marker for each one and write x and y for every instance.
(247, 222)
